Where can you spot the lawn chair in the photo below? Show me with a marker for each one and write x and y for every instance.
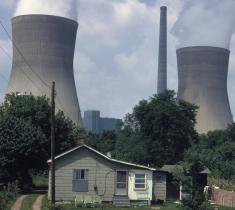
(79, 200)
(97, 200)
(88, 201)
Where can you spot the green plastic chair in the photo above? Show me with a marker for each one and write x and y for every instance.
(97, 200)
(79, 200)
(88, 201)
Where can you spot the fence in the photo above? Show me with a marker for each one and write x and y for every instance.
(223, 197)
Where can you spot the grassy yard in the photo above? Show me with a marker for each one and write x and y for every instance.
(225, 208)
(28, 202)
(166, 206)
(106, 207)
(40, 181)
(169, 206)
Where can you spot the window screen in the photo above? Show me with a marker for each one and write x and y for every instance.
(80, 180)
(80, 174)
(140, 181)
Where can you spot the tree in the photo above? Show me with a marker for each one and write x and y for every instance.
(21, 148)
(187, 175)
(104, 142)
(130, 147)
(25, 133)
(216, 151)
(164, 126)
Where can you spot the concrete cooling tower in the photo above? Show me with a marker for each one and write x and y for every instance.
(202, 73)
(43, 52)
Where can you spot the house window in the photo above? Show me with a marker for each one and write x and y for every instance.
(140, 181)
(80, 180)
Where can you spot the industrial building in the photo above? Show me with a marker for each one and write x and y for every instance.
(96, 124)
(43, 52)
(202, 80)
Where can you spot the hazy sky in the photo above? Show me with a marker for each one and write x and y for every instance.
(115, 63)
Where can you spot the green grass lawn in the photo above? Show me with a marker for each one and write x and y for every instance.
(28, 202)
(45, 203)
(169, 206)
(40, 181)
(105, 207)
(225, 208)
(166, 206)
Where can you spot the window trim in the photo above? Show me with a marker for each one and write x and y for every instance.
(145, 181)
(86, 174)
(78, 184)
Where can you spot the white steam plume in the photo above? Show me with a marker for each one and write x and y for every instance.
(205, 23)
(64, 8)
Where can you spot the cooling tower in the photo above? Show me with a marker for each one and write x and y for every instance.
(44, 52)
(202, 73)
(162, 53)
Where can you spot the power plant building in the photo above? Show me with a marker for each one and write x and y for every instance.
(202, 80)
(96, 124)
(43, 52)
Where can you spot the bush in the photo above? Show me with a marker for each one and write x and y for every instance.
(5, 199)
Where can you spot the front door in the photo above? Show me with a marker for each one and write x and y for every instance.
(121, 183)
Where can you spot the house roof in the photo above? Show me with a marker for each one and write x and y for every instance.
(173, 168)
(105, 156)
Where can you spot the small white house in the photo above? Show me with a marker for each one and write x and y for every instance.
(83, 170)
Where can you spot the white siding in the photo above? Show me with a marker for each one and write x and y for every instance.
(101, 174)
(137, 194)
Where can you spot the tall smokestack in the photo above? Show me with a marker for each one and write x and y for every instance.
(162, 54)
(202, 80)
(44, 52)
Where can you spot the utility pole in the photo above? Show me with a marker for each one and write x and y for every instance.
(53, 143)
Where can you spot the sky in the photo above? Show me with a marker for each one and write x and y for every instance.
(115, 63)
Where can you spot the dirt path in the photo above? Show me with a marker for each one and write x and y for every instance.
(18, 203)
(38, 203)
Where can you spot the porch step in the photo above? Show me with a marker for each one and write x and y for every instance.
(121, 201)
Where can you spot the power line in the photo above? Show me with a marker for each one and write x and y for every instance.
(26, 62)
(10, 58)
(18, 50)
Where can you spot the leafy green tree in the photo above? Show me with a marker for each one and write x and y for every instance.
(104, 142)
(21, 148)
(36, 111)
(165, 129)
(130, 147)
(216, 151)
(187, 175)
(25, 134)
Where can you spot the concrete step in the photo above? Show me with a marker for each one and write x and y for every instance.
(121, 201)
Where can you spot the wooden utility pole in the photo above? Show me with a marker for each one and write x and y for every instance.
(53, 143)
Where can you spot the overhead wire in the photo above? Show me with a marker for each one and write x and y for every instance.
(10, 58)
(21, 54)
(26, 62)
